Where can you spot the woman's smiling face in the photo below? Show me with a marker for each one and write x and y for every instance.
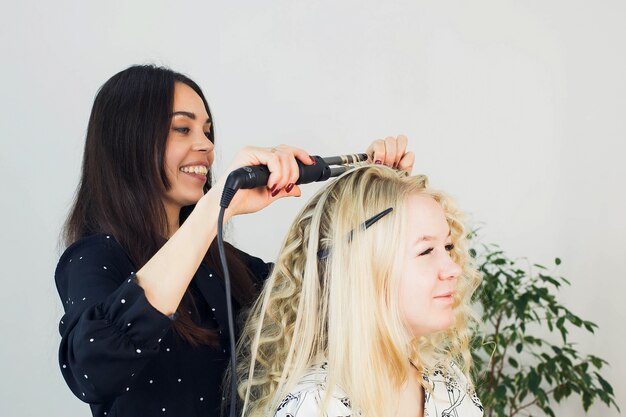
(429, 276)
(188, 150)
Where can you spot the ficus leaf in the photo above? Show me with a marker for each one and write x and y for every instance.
(533, 381)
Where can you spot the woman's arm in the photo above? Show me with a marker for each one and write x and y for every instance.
(109, 330)
(166, 276)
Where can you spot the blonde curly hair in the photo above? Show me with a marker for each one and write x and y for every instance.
(343, 309)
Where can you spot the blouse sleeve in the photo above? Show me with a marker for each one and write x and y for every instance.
(450, 393)
(109, 330)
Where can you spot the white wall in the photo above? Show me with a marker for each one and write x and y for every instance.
(517, 108)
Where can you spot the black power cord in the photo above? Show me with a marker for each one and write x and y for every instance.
(229, 310)
(257, 176)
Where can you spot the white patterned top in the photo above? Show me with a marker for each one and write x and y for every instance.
(450, 396)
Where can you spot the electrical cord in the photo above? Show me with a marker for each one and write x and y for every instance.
(229, 310)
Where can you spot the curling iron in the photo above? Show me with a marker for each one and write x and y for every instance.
(257, 176)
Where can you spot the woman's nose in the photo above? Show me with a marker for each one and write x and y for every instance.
(451, 270)
(202, 143)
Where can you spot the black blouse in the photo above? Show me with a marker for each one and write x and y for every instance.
(119, 354)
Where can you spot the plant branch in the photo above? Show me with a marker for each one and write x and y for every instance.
(493, 362)
(497, 381)
(533, 402)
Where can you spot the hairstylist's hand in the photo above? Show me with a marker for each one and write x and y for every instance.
(284, 172)
(391, 151)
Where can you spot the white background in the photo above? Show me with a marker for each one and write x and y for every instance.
(516, 108)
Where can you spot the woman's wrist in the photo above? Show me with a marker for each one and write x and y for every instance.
(210, 203)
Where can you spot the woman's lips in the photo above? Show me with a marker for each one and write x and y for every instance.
(447, 297)
(197, 177)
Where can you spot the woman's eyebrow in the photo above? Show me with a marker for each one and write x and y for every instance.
(188, 114)
(428, 238)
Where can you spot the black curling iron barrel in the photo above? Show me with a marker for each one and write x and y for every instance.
(258, 175)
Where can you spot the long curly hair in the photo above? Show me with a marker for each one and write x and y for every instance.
(343, 309)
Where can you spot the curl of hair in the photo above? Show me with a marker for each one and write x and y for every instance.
(344, 309)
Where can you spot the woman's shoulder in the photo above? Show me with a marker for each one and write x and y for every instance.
(94, 243)
(447, 372)
(306, 399)
(450, 390)
(99, 249)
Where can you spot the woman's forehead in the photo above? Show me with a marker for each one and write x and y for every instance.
(186, 100)
(426, 219)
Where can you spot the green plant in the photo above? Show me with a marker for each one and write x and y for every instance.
(523, 350)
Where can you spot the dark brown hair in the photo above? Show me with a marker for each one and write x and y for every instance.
(123, 179)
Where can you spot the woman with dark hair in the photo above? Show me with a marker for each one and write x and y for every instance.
(144, 330)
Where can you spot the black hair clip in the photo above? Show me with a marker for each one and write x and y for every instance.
(323, 254)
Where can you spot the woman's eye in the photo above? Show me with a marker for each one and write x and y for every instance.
(182, 129)
(428, 251)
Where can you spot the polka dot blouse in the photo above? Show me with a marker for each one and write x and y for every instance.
(119, 354)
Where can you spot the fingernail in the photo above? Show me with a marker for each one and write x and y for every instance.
(313, 160)
(394, 166)
(275, 192)
(273, 188)
(378, 162)
(289, 187)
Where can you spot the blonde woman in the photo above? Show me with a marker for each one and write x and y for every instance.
(366, 312)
